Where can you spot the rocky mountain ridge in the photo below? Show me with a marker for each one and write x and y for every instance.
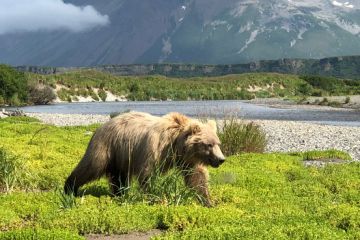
(342, 67)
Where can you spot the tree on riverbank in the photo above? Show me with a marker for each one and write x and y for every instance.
(13, 86)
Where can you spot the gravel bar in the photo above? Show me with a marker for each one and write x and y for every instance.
(283, 136)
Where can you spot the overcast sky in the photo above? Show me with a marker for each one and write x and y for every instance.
(48, 15)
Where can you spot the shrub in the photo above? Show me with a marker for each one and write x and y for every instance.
(238, 137)
(83, 92)
(63, 94)
(102, 85)
(102, 94)
(93, 95)
(74, 99)
(325, 101)
(41, 94)
(334, 104)
(317, 93)
(303, 100)
(305, 89)
(2, 101)
(8, 167)
(347, 100)
(133, 87)
(325, 83)
(14, 100)
(13, 85)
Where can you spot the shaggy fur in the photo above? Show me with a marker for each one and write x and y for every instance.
(132, 144)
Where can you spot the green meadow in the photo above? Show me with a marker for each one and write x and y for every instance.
(256, 196)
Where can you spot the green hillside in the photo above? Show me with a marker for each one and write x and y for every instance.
(237, 86)
(18, 88)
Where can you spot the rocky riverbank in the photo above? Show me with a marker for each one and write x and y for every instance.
(69, 119)
(338, 103)
(289, 136)
(283, 136)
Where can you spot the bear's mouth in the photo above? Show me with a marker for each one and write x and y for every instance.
(215, 163)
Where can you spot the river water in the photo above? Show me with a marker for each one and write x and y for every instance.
(207, 108)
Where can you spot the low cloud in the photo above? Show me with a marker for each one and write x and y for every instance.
(47, 15)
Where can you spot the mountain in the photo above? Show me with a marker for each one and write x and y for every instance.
(195, 31)
(342, 67)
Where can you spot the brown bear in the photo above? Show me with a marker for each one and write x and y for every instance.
(132, 144)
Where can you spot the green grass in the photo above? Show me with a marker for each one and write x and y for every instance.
(256, 196)
(325, 155)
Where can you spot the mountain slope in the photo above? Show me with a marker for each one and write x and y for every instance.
(342, 67)
(195, 31)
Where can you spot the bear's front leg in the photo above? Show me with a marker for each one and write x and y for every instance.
(197, 178)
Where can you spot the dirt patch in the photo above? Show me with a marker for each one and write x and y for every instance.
(128, 236)
(323, 162)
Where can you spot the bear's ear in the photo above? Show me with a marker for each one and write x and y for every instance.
(192, 128)
(179, 119)
(212, 124)
(195, 128)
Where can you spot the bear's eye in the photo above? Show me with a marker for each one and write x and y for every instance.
(209, 145)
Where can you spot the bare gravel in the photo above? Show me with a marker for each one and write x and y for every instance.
(287, 136)
(69, 119)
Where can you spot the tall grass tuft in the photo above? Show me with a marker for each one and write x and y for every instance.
(239, 137)
(8, 171)
(66, 201)
(169, 189)
(159, 188)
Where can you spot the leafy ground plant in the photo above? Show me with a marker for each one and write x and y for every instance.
(39, 234)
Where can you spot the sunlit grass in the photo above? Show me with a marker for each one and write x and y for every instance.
(255, 196)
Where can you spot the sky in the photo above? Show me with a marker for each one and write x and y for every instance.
(47, 15)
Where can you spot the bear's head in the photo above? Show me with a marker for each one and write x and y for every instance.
(200, 144)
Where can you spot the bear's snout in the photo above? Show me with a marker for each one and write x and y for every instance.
(216, 162)
(218, 155)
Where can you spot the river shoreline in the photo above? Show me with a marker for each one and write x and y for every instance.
(311, 103)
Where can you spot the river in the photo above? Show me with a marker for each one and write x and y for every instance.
(207, 108)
